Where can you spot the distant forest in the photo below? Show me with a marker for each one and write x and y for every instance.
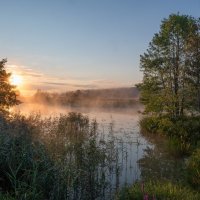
(118, 97)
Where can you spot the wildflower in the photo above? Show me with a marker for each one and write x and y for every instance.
(142, 187)
(146, 197)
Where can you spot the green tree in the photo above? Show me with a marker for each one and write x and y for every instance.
(193, 71)
(169, 63)
(8, 93)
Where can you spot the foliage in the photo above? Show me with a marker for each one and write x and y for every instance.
(6, 197)
(186, 128)
(183, 133)
(170, 89)
(27, 172)
(149, 124)
(193, 169)
(8, 94)
(157, 190)
(171, 68)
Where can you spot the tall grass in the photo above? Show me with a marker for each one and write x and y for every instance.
(58, 158)
(156, 190)
(193, 169)
(27, 171)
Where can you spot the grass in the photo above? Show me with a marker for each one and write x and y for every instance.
(27, 171)
(54, 158)
(156, 190)
(6, 197)
(193, 169)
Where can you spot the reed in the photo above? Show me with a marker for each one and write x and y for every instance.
(64, 157)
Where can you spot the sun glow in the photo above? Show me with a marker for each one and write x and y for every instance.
(16, 80)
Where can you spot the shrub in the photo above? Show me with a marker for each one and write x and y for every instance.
(193, 169)
(149, 124)
(157, 190)
(183, 133)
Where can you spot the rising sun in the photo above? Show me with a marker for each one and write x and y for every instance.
(16, 80)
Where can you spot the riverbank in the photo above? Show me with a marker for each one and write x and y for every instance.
(171, 170)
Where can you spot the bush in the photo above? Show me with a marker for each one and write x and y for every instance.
(178, 147)
(183, 133)
(149, 124)
(193, 169)
(157, 190)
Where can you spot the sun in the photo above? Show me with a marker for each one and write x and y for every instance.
(16, 80)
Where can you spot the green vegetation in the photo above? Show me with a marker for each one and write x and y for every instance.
(170, 92)
(157, 190)
(171, 84)
(8, 93)
(55, 158)
(183, 133)
(193, 169)
(6, 197)
(171, 81)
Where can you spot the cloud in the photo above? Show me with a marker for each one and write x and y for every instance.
(34, 80)
(23, 71)
(71, 85)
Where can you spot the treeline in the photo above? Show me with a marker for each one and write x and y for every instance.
(119, 97)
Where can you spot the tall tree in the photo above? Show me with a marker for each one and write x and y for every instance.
(166, 65)
(8, 93)
(193, 71)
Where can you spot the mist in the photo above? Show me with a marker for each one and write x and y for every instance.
(110, 101)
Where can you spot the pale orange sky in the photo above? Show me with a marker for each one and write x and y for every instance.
(33, 80)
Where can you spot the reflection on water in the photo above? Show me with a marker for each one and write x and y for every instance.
(159, 163)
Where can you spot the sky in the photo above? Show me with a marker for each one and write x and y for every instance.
(62, 45)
